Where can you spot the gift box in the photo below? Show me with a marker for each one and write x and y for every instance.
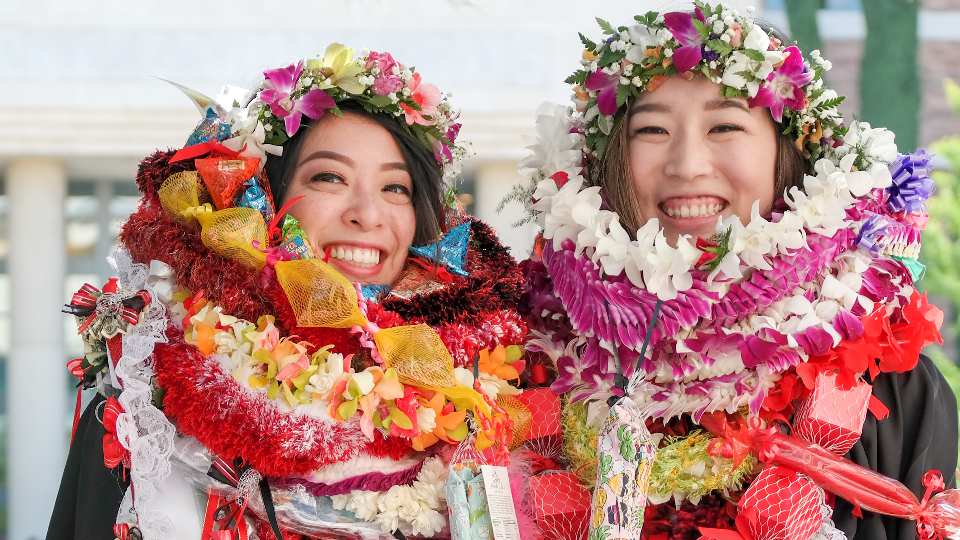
(561, 506)
(780, 505)
(832, 417)
(544, 435)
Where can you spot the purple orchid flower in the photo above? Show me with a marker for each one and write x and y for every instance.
(440, 149)
(278, 86)
(690, 51)
(784, 86)
(568, 374)
(607, 85)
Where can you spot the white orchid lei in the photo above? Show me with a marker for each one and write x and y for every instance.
(739, 311)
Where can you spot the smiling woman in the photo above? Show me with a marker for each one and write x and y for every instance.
(723, 261)
(298, 294)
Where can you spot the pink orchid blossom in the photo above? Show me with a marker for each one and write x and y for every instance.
(784, 85)
(386, 82)
(440, 148)
(279, 84)
(607, 85)
(427, 96)
(690, 51)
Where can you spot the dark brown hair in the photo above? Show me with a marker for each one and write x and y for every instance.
(425, 172)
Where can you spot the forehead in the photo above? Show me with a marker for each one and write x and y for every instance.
(354, 135)
(678, 93)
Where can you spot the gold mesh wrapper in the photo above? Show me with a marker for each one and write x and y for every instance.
(522, 418)
(232, 233)
(182, 191)
(319, 295)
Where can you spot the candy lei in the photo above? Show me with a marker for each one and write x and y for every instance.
(737, 313)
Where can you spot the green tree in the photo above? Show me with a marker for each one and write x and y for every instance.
(941, 238)
(889, 80)
(802, 15)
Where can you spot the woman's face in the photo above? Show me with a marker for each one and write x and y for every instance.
(357, 197)
(695, 154)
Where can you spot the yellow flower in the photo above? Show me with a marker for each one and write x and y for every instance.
(337, 68)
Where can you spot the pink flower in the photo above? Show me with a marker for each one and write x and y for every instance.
(607, 85)
(427, 97)
(279, 84)
(690, 51)
(440, 148)
(784, 85)
(386, 82)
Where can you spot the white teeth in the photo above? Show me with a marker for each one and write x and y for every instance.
(693, 211)
(357, 256)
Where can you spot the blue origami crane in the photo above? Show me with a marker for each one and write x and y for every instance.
(450, 251)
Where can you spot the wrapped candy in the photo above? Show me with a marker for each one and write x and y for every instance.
(625, 457)
(866, 489)
(544, 436)
(211, 129)
(253, 196)
(293, 244)
(467, 503)
(833, 417)
(225, 177)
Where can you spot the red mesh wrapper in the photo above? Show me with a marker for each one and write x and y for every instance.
(780, 505)
(544, 437)
(224, 177)
(561, 506)
(832, 417)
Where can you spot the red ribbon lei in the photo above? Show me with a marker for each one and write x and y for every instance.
(113, 452)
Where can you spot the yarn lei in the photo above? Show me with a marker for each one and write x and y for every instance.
(779, 298)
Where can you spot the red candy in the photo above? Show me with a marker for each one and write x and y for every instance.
(832, 417)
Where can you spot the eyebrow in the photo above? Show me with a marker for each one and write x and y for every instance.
(713, 105)
(336, 156)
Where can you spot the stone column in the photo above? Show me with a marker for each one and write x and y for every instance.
(495, 179)
(37, 439)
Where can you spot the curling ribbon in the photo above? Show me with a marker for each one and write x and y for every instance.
(201, 149)
(76, 369)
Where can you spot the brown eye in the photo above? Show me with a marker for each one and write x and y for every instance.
(397, 188)
(328, 177)
(650, 130)
(725, 128)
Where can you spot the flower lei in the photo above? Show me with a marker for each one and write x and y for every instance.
(747, 313)
(726, 47)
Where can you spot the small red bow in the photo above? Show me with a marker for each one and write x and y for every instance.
(113, 452)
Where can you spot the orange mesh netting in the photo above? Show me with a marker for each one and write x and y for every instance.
(225, 177)
(522, 419)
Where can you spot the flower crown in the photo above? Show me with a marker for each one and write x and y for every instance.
(255, 124)
(728, 49)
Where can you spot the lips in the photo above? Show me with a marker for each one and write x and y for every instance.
(692, 207)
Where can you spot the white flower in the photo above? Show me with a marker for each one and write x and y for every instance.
(554, 144)
(395, 497)
(717, 27)
(327, 374)
(363, 504)
(340, 501)
(756, 39)
(250, 133)
(428, 523)
(669, 267)
(740, 63)
(426, 419)
(427, 493)
(464, 376)
(409, 510)
(434, 471)
(642, 39)
(389, 521)
(827, 65)
(753, 241)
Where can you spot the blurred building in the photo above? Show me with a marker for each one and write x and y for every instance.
(80, 108)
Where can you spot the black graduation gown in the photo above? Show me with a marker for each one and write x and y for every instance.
(919, 435)
(90, 494)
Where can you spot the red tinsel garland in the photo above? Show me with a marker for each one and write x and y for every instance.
(233, 421)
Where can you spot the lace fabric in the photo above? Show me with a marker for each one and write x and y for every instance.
(142, 428)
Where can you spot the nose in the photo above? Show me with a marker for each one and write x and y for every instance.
(362, 210)
(690, 156)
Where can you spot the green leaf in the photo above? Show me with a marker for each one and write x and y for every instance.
(579, 77)
(380, 101)
(587, 43)
(701, 28)
(720, 46)
(606, 27)
(730, 92)
(623, 94)
(753, 54)
(336, 111)
(610, 57)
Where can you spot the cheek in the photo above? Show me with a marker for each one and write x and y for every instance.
(315, 214)
(404, 224)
